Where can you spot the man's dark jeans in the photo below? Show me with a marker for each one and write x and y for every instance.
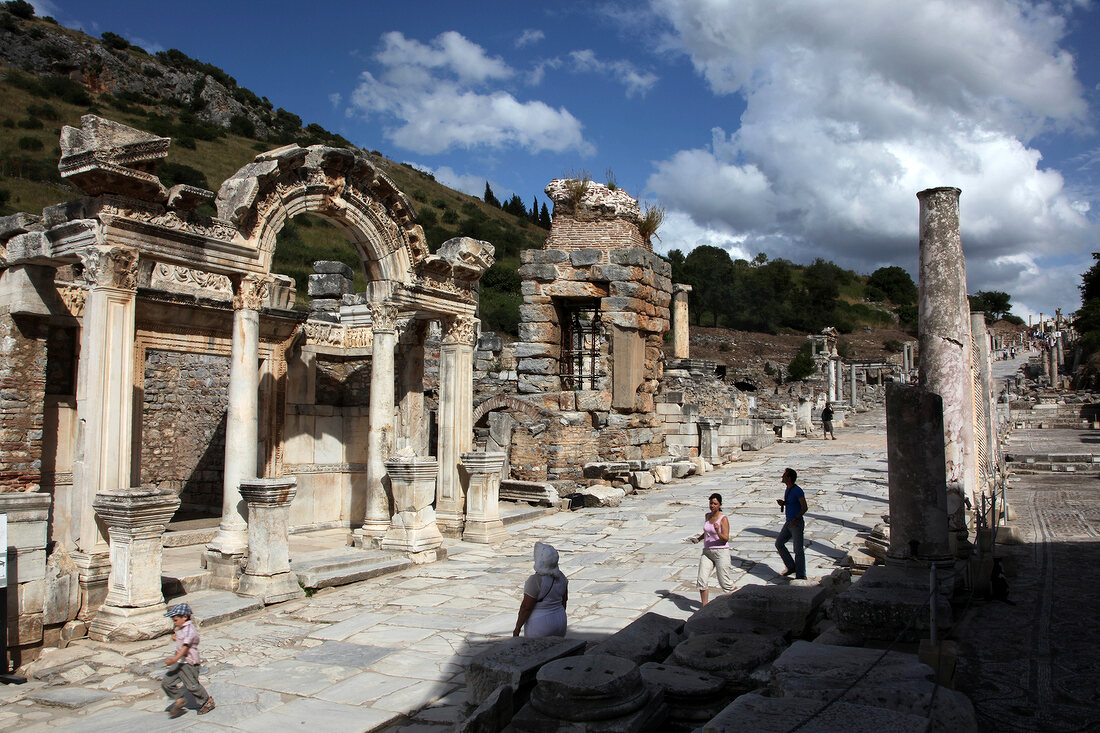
(793, 530)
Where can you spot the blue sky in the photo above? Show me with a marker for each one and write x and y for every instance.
(798, 128)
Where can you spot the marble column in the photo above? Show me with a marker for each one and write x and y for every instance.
(267, 575)
(830, 376)
(944, 326)
(105, 407)
(985, 406)
(455, 419)
(852, 386)
(413, 434)
(917, 472)
(839, 371)
(380, 435)
(482, 471)
(681, 348)
(226, 551)
(413, 528)
(135, 519)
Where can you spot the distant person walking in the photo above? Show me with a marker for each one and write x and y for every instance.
(716, 550)
(827, 422)
(793, 505)
(183, 666)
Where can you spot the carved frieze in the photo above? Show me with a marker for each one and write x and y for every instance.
(251, 292)
(74, 297)
(157, 216)
(112, 267)
(358, 338)
(175, 277)
(459, 330)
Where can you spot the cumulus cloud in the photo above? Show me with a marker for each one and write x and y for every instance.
(621, 71)
(335, 99)
(468, 183)
(845, 121)
(438, 97)
(529, 36)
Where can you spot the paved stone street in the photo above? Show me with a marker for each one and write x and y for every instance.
(370, 655)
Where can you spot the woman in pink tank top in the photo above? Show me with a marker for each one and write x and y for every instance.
(716, 552)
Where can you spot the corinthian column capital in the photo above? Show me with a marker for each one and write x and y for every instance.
(250, 291)
(111, 267)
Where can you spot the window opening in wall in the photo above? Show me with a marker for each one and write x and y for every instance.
(580, 344)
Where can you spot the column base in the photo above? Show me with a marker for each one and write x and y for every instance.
(112, 623)
(367, 539)
(225, 569)
(450, 524)
(271, 588)
(407, 535)
(230, 541)
(487, 532)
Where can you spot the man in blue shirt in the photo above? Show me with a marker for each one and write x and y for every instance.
(793, 504)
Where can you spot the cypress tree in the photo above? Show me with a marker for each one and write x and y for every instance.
(489, 198)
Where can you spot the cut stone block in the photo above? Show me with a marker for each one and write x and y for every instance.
(683, 469)
(601, 496)
(650, 637)
(731, 656)
(777, 715)
(515, 662)
(692, 697)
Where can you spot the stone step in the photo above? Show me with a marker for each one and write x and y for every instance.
(347, 565)
(215, 606)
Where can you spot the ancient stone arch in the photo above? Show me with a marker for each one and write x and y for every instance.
(339, 184)
(503, 402)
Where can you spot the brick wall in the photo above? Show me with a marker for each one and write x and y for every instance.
(183, 427)
(570, 233)
(23, 358)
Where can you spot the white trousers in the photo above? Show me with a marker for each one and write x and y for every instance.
(720, 559)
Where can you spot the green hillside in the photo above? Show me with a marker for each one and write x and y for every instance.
(50, 76)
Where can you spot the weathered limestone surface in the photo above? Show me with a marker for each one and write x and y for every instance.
(888, 600)
(412, 528)
(514, 662)
(945, 339)
(483, 523)
(268, 575)
(134, 607)
(650, 637)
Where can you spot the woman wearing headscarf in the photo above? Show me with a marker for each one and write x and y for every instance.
(545, 594)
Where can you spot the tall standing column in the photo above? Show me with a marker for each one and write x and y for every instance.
(944, 325)
(456, 357)
(227, 549)
(413, 433)
(852, 385)
(380, 435)
(681, 348)
(105, 407)
(985, 407)
(839, 380)
(134, 607)
(830, 376)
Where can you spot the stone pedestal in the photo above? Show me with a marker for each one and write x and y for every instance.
(917, 475)
(135, 519)
(267, 575)
(27, 513)
(483, 522)
(412, 528)
(708, 440)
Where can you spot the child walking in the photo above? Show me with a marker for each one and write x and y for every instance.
(184, 665)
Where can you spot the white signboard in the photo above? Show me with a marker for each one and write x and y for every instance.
(3, 550)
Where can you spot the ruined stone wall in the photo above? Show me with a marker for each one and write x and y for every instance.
(183, 427)
(599, 234)
(343, 381)
(22, 398)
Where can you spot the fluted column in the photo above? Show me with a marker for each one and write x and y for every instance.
(945, 362)
(105, 406)
(241, 427)
(380, 435)
(455, 418)
(483, 523)
(135, 519)
(268, 574)
(681, 343)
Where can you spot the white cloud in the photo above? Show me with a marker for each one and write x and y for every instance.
(845, 121)
(624, 72)
(680, 231)
(468, 183)
(538, 71)
(437, 96)
(335, 99)
(529, 36)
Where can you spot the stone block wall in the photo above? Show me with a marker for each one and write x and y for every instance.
(183, 427)
(22, 400)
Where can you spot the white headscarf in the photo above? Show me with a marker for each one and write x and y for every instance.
(546, 560)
